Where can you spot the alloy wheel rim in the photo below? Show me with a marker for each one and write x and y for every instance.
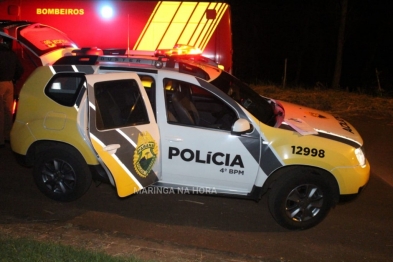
(304, 202)
(58, 176)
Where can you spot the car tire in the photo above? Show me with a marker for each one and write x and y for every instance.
(302, 198)
(60, 175)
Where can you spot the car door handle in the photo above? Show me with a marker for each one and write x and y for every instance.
(174, 139)
(111, 149)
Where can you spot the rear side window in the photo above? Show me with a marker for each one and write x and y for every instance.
(64, 88)
(119, 103)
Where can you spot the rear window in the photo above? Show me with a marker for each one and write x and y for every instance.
(64, 88)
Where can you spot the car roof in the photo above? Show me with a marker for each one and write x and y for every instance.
(192, 65)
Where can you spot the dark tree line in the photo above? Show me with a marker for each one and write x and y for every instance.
(332, 43)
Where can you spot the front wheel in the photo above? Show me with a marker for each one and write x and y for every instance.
(61, 176)
(301, 199)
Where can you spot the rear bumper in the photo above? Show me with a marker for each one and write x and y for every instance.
(23, 160)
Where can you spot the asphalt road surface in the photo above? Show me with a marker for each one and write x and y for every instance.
(215, 228)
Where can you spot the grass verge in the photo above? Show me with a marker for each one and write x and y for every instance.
(337, 102)
(23, 249)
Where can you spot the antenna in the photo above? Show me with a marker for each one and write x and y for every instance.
(128, 35)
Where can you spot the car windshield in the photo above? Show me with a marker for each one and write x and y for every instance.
(257, 105)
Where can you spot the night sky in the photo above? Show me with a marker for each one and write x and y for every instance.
(304, 32)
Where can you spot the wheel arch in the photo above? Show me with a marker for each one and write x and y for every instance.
(97, 171)
(43, 145)
(279, 173)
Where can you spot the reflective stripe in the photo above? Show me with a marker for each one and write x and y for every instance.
(269, 160)
(124, 177)
(327, 136)
(180, 22)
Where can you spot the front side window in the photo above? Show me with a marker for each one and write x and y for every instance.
(119, 103)
(64, 88)
(257, 105)
(191, 105)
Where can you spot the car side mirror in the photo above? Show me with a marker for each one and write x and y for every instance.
(241, 126)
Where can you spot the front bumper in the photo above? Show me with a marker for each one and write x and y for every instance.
(351, 180)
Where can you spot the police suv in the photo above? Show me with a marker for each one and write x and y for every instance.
(182, 124)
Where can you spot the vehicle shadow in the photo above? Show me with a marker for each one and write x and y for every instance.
(101, 208)
(21, 200)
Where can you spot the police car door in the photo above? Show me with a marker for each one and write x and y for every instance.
(199, 151)
(123, 130)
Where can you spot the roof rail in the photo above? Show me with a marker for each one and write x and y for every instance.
(77, 60)
(157, 62)
(169, 61)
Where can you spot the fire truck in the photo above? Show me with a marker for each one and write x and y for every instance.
(133, 27)
(42, 31)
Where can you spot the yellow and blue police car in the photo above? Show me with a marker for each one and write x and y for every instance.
(143, 122)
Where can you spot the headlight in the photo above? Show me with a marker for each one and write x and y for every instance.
(360, 156)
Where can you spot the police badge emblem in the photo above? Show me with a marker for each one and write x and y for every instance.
(145, 154)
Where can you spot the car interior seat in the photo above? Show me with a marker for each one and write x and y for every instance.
(185, 110)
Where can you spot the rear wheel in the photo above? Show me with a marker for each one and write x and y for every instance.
(302, 198)
(61, 176)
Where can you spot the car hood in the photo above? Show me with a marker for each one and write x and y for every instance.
(308, 121)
